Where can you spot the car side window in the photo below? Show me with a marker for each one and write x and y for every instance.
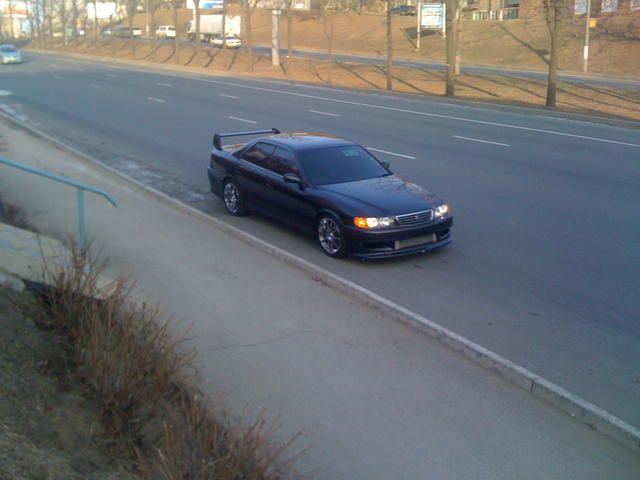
(284, 162)
(259, 154)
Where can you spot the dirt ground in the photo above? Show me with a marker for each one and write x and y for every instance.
(522, 43)
(48, 430)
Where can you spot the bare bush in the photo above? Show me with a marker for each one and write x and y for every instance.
(140, 375)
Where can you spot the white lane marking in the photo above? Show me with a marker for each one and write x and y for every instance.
(5, 93)
(112, 75)
(481, 141)
(228, 96)
(157, 100)
(391, 153)
(95, 85)
(243, 120)
(54, 65)
(162, 84)
(383, 107)
(325, 113)
(415, 112)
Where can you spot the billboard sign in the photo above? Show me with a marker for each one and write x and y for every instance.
(207, 4)
(104, 10)
(432, 16)
(16, 8)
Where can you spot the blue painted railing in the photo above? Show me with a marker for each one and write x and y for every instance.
(80, 189)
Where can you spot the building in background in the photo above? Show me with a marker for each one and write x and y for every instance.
(14, 18)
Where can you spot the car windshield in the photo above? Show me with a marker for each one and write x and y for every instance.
(347, 163)
(8, 48)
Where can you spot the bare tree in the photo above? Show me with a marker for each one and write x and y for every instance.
(288, 12)
(175, 4)
(196, 21)
(62, 12)
(248, 7)
(75, 14)
(389, 46)
(556, 12)
(95, 19)
(454, 16)
(131, 7)
(328, 23)
(11, 32)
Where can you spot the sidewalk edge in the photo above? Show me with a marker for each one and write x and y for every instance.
(573, 405)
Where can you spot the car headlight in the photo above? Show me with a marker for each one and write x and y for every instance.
(442, 211)
(373, 222)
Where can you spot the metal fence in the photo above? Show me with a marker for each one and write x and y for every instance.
(80, 189)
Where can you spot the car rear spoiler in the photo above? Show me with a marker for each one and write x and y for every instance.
(217, 137)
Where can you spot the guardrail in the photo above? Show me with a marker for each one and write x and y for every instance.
(80, 189)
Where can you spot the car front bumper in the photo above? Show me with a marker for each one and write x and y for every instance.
(7, 60)
(371, 244)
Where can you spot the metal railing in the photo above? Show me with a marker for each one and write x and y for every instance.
(510, 13)
(80, 189)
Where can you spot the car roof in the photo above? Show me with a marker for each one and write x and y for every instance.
(299, 141)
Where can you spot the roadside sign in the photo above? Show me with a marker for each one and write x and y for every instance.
(432, 16)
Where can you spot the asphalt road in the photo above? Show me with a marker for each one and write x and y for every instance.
(543, 269)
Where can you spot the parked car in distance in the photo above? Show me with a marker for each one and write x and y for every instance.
(10, 54)
(331, 188)
(231, 42)
(404, 10)
(122, 31)
(166, 31)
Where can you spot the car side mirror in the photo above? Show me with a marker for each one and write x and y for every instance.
(292, 178)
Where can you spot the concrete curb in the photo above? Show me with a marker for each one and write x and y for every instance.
(583, 411)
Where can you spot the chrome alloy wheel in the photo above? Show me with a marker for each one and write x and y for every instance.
(330, 236)
(232, 197)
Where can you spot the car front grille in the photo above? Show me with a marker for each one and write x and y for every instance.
(415, 219)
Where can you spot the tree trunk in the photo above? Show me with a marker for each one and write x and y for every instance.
(458, 40)
(95, 19)
(289, 30)
(176, 44)
(453, 12)
(50, 20)
(249, 34)
(224, 26)
(389, 48)
(11, 31)
(553, 68)
(196, 10)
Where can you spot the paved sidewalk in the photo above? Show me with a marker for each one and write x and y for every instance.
(373, 398)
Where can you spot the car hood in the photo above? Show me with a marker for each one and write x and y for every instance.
(383, 196)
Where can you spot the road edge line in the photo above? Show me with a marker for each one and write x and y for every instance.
(585, 412)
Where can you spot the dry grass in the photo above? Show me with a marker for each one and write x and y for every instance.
(141, 375)
(12, 215)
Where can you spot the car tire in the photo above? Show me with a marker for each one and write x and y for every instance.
(233, 198)
(330, 236)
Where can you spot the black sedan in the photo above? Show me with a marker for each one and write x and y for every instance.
(332, 189)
